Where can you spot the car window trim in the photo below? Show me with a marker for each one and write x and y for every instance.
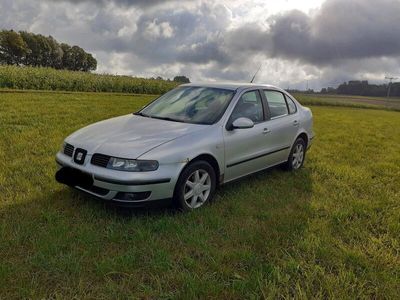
(287, 103)
(267, 112)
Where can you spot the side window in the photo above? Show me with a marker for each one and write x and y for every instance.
(291, 105)
(276, 103)
(249, 106)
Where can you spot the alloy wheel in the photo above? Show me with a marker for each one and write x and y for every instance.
(298, 156)
(197, 188)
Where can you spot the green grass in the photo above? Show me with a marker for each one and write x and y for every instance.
(33, 78)
(330, 230)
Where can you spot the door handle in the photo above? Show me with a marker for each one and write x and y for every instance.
(295, 123)
(266, 130)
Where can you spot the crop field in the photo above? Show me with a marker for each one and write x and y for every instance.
(350, 101)
(33, 78)
(330, 230)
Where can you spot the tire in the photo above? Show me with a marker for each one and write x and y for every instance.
(191, 190)
(297, 155)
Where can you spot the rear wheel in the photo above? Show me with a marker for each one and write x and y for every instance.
(195, 186)
(297, 155)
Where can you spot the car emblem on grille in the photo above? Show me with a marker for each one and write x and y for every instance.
(79, 156)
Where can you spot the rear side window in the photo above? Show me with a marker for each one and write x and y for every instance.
(291, 105)
(276, 103)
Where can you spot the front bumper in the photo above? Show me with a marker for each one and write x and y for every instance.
(119, 186)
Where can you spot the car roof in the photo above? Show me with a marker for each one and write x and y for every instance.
(230, 85)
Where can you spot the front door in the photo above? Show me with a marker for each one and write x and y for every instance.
(245, 149)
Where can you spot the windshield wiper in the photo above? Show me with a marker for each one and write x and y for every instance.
(138, 113)
(167, 119)
(157, 117)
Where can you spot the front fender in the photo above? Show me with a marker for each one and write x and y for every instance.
(184, 149)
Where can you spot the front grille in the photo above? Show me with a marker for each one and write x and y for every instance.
(100, 160)
(68, 150)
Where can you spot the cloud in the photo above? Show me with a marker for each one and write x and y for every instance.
(168, 35)
(223, 40)
(339, 31)
(141, 3)
(204, 52)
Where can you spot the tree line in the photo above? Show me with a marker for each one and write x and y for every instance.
(363, 88)
(180, 79)
(28, 49)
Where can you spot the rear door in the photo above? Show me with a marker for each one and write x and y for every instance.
(283, 123)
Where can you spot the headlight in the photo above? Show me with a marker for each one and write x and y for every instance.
(132, 165)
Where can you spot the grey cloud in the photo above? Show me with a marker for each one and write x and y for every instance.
(142, 3)
(13, 15)
(228, 74)
(203, 53)
(105, 22)
(340, 30)
(342, 39)
(250, 38)
(196, 35)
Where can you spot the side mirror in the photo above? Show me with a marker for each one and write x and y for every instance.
(242, 123)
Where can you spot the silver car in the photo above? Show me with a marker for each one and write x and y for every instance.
(185, 143)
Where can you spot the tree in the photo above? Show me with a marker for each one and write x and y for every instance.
(29, 49)
(181, 79)
(67, 59)
(44, 48)
(33, 54)
(55, 53)
(91, 63)
(363, 88)
(78, 57)
(13, 49)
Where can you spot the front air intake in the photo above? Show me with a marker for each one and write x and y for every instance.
(68, 150)
(100, 160)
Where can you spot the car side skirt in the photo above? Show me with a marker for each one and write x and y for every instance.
(255, 172)
(258, 156)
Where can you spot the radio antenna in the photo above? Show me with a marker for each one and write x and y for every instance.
(252, 79)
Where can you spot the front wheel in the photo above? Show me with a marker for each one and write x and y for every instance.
(297, 155)
(195, 186)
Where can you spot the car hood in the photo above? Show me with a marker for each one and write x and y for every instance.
(129, 136)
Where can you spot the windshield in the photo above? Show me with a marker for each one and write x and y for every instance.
(200, 105)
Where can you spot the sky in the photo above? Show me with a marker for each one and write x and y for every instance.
(312, 43)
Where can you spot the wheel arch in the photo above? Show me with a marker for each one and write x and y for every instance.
(304, 136)
(212, 161)
(201, 157)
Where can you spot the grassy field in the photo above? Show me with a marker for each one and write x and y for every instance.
(350, 101)
(331, 230)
